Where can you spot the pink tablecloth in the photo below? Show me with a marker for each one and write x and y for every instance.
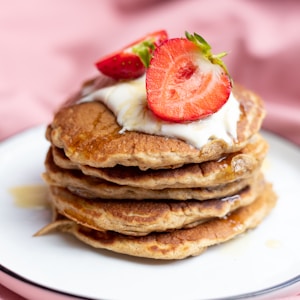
(47, 48)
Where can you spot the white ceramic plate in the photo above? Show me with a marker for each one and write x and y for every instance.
(260, 264)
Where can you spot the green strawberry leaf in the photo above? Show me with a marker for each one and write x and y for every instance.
(144, 51)
(206, 50)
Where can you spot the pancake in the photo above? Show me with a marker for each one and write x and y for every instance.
(89, 135)
(93, 187)
(142, 217)
(231, 167)
(177, 244)
(115, 187)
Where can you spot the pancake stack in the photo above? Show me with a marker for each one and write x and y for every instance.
(153, 196)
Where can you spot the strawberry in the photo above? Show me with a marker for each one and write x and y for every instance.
(185, 81)
(131, 61)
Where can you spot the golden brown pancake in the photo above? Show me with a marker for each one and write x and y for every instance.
(93, 187)
(232, 167)
(89, 135)
(142, 217)
(154, 196)
(177, 244)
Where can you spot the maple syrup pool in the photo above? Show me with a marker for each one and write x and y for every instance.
(30, 196)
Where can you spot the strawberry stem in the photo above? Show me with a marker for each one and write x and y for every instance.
(199, 41)
(144, 50)
(206, 50)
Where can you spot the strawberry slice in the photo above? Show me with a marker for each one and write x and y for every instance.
(131, 61)
(185, 82)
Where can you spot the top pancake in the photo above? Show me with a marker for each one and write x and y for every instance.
(89, 135)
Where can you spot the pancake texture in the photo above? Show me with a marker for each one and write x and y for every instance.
(93, 187)
(140, 218)
(229, 168)
(153, 196)
(78, 130)
(177, 244)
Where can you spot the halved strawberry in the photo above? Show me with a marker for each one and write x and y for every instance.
(131, 61)
(185, 82)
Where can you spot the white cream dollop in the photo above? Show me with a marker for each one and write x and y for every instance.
(128, 101)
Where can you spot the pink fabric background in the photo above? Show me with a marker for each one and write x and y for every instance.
(48, 47)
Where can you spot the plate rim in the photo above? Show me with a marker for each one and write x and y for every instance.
(292, 282)
(262, 292)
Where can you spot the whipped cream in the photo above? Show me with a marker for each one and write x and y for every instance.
(128, 101)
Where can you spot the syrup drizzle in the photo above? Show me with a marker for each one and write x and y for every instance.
(30, 196)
